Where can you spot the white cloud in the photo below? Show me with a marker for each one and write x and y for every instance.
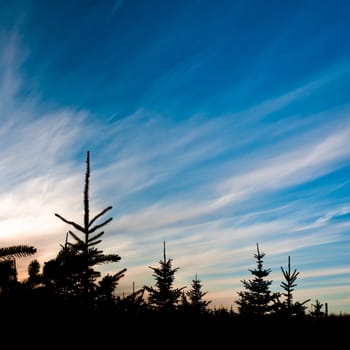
(189, 183)
(305, 162)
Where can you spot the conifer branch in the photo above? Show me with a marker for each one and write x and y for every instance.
(77, 226)
(16, 251)
(96, 236)
(76, 237)
(94, 243)
(99, 215)
(100, 225)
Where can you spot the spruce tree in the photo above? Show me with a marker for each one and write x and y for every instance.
(316, 309)
(257, 299)
(134, 303)
(73, 271)
(288, 307)
(164, 296)
(195, 296)
(105, 290)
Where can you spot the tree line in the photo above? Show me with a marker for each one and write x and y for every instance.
(71, 284)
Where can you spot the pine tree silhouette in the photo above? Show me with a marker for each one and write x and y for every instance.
(8, 268)
(316, 310)
(195, 296)
(257, 299)
(75, 262)
(288, 307)
(163, 296)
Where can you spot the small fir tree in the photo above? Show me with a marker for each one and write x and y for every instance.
(316, 309)
(163, 296)
(195, 296)
(288, 307)
(257, 299)
(106, 287)
(134, 303)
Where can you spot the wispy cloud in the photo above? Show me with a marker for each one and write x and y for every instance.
(212, 187)
(37, 170)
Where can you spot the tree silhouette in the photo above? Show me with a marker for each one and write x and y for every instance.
(195, 295)
(34, 277)
(163, 296)
(16, 251)
(317, 309)
(12, 296)
(257, 298)
(63, 274)
(73, 269)
(288, 307)
(8, 275)
(106, 287)
(133, 304)
(8, 269)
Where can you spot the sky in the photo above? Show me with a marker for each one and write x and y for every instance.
(212, 126)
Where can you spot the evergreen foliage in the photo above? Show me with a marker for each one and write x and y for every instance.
(133, 304)
(8, 269)
(289, 284)
(72, 272)
(288, 307)
(71, 279)
(106, 287)
(8, 274)
(317, 309)
(34, 277)
(195, 297)
(257, 299)
(16, 251)
(164, 296)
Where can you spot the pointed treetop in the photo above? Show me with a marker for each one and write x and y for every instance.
(164, 251)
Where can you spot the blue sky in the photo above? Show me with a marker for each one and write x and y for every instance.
(212, 125)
